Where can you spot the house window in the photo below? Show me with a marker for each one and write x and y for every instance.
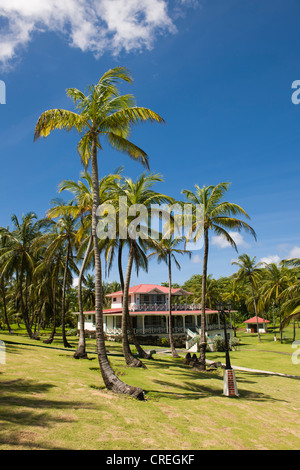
(114, 299)
(153, 320)
(118, 322)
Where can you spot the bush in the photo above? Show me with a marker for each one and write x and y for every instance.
(164, 342)
(219, 343)
(234, 343)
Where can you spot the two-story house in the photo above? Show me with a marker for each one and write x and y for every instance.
(149, 310)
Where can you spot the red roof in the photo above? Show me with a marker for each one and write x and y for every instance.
(151, 288)
(253, 320)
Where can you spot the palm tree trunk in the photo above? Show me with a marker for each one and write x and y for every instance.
(5, 308)
(23, 309)
(280, 323)
(255, 310)
(202, 360)
(111, 381)
(129, 358)
(294, 330)
(63, 306)
(81, 352)
(51, 337)
(173, 350)
(140, 350)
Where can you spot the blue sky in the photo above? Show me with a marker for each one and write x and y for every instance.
(219, 73)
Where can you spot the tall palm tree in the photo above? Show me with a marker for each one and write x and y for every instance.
(103, 112)
(218, 217)
(233, 295)
(18, 258)
(64, 238)
(166, 250)
(249, 272)
(291, 295)
(136, 194)
(110, 248)
(81, 207)
(3, 281)
(51, 269)
(274, 281)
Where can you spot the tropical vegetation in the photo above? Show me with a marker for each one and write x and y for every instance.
(40, 259)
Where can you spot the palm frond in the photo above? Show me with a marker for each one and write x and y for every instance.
(124, 145)
(58, 119)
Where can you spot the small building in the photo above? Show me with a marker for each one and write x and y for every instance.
(251, 325)
(149, 312)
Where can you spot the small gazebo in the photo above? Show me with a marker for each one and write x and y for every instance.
(251, 325)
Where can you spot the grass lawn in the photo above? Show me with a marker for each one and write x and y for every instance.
(49, 400)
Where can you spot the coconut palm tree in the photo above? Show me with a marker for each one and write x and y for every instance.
(102, 112)
(4, 281)
(217, 217)
(81, 207)
(64, 238)
(233, 295)
(275, 280)
(249, 272)
(291, 295)
(166, 250)
(136, 195)
(18, 258)
(51, 269)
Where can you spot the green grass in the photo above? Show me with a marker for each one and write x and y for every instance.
(49, 400)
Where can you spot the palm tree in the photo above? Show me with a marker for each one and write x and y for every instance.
(166, 250)
(274, 281)
(3, 281)
(110, 248)
(218, 216)
(18, 258)
(103, 112)
(51, 269)
(81, 207)
(64, 238)
(291, 295)
(233, 295)
(249, 272)
(136, 194)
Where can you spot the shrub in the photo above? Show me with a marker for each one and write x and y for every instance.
(164, 341)
(234, 343)
(219, 343)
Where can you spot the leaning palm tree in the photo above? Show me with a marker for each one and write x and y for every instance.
(81, 207)
(166, 250)
(249, 272)
(102, 112)
(218, 217)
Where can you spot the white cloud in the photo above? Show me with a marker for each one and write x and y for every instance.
(295, 252)
(75, 282)
(196, 259)
(221, 241)
(271, 259)
(94, 25)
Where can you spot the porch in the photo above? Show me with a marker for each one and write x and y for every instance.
(158, 324)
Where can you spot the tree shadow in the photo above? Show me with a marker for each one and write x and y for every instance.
(22, 403)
